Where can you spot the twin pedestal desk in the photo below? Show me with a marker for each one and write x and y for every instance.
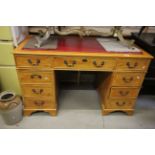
(119, 85)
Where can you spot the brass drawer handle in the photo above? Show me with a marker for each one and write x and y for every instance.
(98, 65)
(124, 93)
(71, 64)
(36, 76)
(33, 63)
(132, 66)
(39, 103)
(127, 80)
(120, 103)
(39, 91)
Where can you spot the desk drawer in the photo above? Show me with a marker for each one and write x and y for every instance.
(120, 104)
(37, 91)
(35, 76)
(132, 64)
(39, 103)
(128, 79)
(122, 92)
(84, 63)
(33, 61)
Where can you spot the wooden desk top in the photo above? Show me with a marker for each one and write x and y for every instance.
(76, 46)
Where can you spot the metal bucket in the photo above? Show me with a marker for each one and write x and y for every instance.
(11, 108)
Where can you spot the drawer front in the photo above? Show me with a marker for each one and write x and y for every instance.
(39, 103)
(37, 91)
(121, 92)
(128, 79)
(120, 104)
(5, 33)
(132, 64)
(6, 53)
(35, 76)
(84, 63)
(33, 61)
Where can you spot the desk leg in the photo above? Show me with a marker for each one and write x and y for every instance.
(108, 111)
(52, 112)
(28, 112)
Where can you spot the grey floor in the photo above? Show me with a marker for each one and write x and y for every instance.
(81, 109)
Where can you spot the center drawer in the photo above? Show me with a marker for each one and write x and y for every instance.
(84, 63)
(28, 76)
(37, 91)
(122, 92)
(127, 79)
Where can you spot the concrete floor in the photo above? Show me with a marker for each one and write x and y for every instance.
(81, 109)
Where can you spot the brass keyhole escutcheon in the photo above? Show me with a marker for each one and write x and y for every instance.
(84, 60)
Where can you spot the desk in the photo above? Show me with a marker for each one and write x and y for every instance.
(123, 74)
